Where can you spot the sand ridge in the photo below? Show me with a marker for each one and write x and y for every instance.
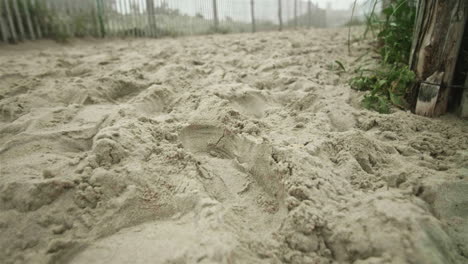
(246, 148)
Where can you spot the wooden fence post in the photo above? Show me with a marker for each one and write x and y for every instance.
(215, 14)
(35, 19)
(12, 28)
(280, 16)
(151, 17)
(32, 35)
(436, 46)
(19, 20)
(3, 26)
(309, 13)
(100, 18)
(4, 30)
(252, 14)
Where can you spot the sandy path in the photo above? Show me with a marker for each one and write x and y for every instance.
(219, 149)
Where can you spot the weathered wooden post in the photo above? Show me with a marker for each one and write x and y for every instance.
(309, 13)
(439, 30)
(151, 17)
(280, 16)
(252, 14)
(215, 15)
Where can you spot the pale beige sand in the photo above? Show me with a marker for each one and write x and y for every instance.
(219, 149)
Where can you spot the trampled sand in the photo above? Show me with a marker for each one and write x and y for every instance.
(244, 148)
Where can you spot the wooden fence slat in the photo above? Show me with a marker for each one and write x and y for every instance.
(92, 21)
(73, 11)
(215, 14)
(92, 28)
(34, 18)
(209, 13)
(56, 24)
(146, 20)
(100, 15)
(56, 13)
(252, 14)
(280, 15)
(106, 16)
(134, 18)
(72, 17)
(121, 19)
(26, 6)
(125, 31)
(19, 20)
(151, 18)
(170, 20)
(12, 28)
(3, 27)
(295, 13)
(63, 17)
(45, 4)
(69, 18)
(129, 19)
(113, 7)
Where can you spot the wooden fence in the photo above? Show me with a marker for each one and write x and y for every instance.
(61, 19)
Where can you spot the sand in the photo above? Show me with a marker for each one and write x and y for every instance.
(245, 148)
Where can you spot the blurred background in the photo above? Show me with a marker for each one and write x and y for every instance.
(62, 19)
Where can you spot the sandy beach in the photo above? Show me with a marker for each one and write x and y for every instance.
(242, 148)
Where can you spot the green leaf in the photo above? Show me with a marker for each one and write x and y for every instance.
(398, 100)
(341, 65)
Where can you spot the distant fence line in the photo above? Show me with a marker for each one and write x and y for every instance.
(61, 19)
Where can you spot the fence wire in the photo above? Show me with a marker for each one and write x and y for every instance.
(61, 19)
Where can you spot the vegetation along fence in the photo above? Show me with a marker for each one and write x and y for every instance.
(61, 19)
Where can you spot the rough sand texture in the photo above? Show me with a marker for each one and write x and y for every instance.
(220, 149)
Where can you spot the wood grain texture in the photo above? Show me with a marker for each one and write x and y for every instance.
(437, 39)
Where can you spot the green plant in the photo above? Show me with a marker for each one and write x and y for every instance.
(363, 83)
(388, 85)
(397, 32)
(372, 21)
(376, 102)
